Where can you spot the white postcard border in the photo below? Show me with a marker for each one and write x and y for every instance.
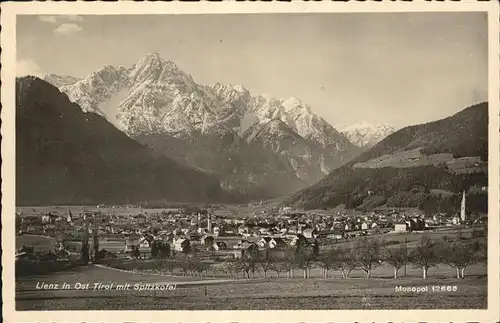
(8, 72)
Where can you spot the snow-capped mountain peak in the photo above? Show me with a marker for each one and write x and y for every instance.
(155, 95)
(158, 100)
(60, 80)
(293, 103)
(364, 134)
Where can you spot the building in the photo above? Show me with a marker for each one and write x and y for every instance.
(270, 242)
(297, 239)
(400, 227)
(144, 243)
(216, 246)
(132, 242)
(181, 244)
(335, 235)
(207, 240)
(244, 248)
(310, 233)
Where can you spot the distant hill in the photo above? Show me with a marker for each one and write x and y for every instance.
(449, 154)
(67, 156)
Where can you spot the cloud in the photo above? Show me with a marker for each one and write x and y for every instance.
(27, 67)
(72, 17)
(67, 23)
(60, 18)
(67, 29)
(49, 19)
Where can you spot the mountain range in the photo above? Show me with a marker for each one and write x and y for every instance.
(408, 168)
(150, 132)
(259, 146)
(66, 156)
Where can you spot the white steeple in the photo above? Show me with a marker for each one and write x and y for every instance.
(462, 209)
(209, 223)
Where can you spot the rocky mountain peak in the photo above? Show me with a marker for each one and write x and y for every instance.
(158, 102)
(365, 135)
(294, 103)
(148, 68)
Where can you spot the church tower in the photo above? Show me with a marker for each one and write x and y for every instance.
(209, 223)
(463, 216)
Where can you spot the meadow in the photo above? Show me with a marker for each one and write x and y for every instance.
(255, 294)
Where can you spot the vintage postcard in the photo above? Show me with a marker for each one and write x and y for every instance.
(250, 162)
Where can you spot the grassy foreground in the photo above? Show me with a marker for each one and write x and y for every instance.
(255, 294)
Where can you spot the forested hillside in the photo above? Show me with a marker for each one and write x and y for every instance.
(463, 135)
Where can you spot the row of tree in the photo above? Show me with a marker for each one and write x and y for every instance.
(366, 255)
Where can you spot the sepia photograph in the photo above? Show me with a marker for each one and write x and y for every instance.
(242, 161)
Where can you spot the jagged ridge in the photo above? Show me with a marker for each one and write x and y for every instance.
(155, 98)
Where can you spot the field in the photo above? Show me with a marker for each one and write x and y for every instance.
(255, 294)
(414, 158)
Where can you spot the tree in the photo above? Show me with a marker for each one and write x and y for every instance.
(185, 267)
(249, 261)
(169, 266)
(347, 261)
(266, 263)
(289, 262)
(135, 252)
(315, 248)
(328, 260)
(427, 254)
(154, 249)
(18, 222)
(186, 247)
(460, 254)
(95, 244)
(200, 268)
(368, 254)
(279, 267)
(396, 257)
(236, 267)
(84, 252)
(213, 269)
(304, 259)
(229, 268)
(243, 265)
(163, 250)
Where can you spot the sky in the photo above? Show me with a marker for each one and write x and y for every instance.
(383, 68)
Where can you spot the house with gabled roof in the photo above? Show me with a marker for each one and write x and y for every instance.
(271, 242)
(310, 233)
